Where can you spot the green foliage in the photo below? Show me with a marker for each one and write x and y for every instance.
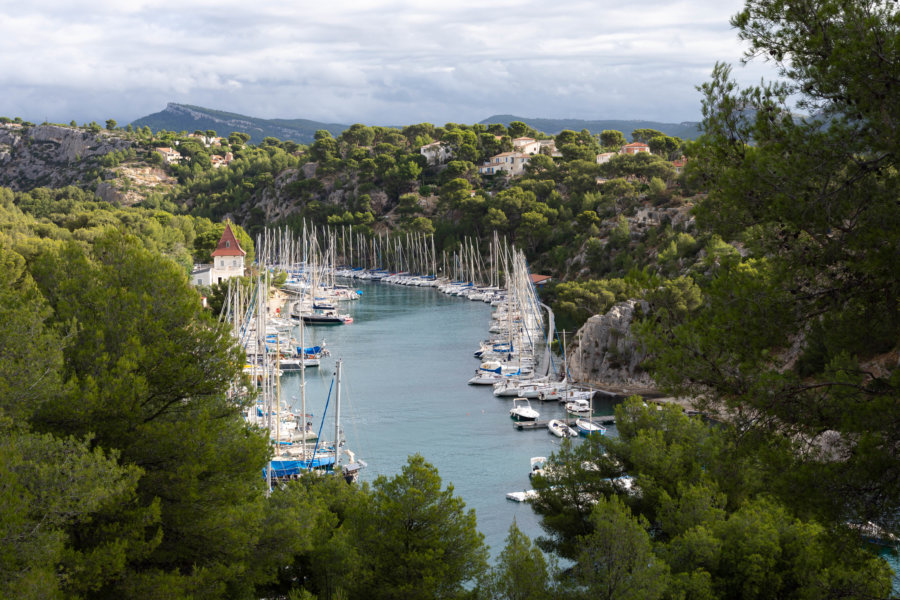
(716, 530)
(149, 374)
(616, 560)
(420, 542)
(799, 339)
(645, 135)
(610, 138)
(521, 572)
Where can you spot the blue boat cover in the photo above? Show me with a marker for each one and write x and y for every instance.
(286, 468)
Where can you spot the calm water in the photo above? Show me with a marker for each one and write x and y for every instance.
(407, 357)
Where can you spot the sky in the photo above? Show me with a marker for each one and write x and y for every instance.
(377, 62)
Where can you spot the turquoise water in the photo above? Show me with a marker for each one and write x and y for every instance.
(407, 357)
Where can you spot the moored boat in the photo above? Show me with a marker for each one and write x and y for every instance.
(522, 411)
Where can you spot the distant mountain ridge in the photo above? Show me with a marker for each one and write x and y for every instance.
(687, 130)
(184, 117)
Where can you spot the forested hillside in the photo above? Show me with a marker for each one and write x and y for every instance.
(762, 282)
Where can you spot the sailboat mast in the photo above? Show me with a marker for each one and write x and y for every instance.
(337, 418)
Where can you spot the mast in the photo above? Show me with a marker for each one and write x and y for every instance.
(302, 392)
(337, 418)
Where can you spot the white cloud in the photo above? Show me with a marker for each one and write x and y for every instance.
(379, 62)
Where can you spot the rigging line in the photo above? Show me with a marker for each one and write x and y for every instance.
(319, 435)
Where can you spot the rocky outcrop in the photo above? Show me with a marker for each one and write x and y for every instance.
(605, 351)
(50, 155)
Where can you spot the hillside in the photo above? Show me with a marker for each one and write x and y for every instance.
(184, 117)
(687, 130)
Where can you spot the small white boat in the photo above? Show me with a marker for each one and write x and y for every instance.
(486, 378)
(560, 429)
(579, 407)
(523, 496)
(522, 411)
(587, 427)
(537, 466)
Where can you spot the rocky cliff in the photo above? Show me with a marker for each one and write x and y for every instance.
(50, 155)
(606, 353)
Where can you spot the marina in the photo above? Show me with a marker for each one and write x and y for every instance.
(408, 354)
(390, 380)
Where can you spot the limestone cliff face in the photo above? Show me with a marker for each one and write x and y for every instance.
(50, 155)
(605, 351)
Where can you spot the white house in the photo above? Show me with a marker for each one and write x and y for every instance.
(604, 157)
(549, 145)
(526, 145)
(170, 155)
(513, 163)
(436, 153)
(228, 261)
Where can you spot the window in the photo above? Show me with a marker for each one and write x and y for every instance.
(228, 243)
(234, 263)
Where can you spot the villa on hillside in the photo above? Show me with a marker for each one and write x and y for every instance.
(604, 157)
(436, 153)
(679, 164)
(228, 261)
(169, 155)
(526, 145)
(513, 163)
(221, 161)
(634, 148)
(550, 147)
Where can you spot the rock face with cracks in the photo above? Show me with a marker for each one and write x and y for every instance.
(605, 351)
(50, 155)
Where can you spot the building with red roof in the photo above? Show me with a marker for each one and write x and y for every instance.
(228, 261)
(634, 148)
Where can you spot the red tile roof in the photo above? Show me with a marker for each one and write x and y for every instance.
(539, 279)
(228, 244)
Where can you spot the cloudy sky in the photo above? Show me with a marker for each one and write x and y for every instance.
(379, 62)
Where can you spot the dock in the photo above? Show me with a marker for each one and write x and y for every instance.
(528, 425)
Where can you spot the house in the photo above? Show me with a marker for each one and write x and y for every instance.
(228, 261)
(169, 155)
(436, 153)
(526, 145)
(513, 163)
(679, 164)
(539, 280)
(548, 147)
(634, 148)
(207, 140)
(604, 157)
(221, 161)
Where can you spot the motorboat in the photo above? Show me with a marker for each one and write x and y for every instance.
(561, 429)
(538, 466)
(522, 411)
(579, 407)
(587, 427)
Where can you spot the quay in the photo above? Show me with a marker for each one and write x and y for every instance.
(528, 425)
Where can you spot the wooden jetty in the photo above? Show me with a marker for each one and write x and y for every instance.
(527, 425)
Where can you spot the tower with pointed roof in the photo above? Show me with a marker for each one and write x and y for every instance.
(228, 261)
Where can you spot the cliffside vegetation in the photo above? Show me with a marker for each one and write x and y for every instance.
(770, 275)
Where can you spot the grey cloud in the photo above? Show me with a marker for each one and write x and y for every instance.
(356, 61)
